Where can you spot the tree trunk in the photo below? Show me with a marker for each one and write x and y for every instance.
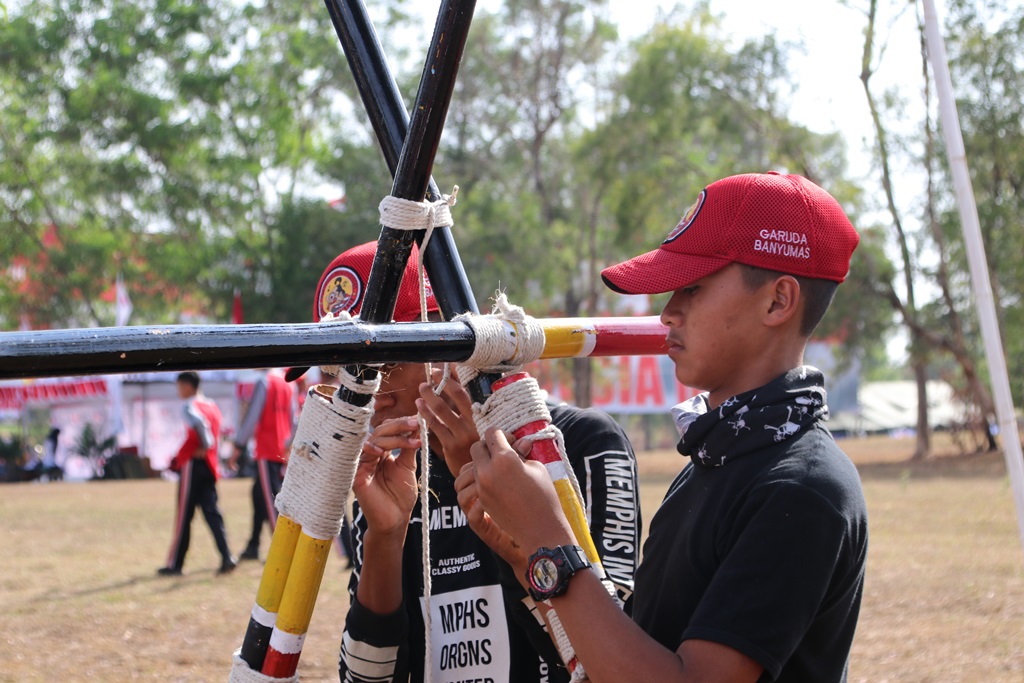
(923, 447)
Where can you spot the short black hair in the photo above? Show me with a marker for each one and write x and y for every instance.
(190, 378)
(817, 293)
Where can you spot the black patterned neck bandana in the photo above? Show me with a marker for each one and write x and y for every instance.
(752, 420)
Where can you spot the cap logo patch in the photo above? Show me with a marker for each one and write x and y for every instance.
(783, 243)
(687, 220)
(342, 290)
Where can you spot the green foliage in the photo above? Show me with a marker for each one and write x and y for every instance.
(162, 140)
(179, 143)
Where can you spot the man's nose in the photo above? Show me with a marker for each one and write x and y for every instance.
(672, 313)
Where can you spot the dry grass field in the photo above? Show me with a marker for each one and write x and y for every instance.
(81, 600)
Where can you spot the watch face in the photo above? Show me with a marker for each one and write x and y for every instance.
(544, 574)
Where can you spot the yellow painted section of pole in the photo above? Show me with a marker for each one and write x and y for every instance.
(573, 510)
(304, 578)
(279, 563)
(564, 341)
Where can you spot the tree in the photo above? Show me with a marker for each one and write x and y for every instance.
(985, 43)
(945, 340)
(97, 451)
(161, 140)
(104, 123)
(690, 110)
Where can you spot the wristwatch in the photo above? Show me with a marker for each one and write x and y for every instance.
(549, 570)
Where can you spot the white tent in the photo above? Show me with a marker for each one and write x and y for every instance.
(892, 406)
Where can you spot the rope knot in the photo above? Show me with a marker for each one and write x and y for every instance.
(405, 214)
(506, 339)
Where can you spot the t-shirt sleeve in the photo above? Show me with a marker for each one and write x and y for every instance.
(778, 560)
(371, 644)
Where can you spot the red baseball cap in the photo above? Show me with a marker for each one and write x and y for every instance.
(342, 286)
(766, 220)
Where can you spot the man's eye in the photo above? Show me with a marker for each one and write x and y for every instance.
(690, 290)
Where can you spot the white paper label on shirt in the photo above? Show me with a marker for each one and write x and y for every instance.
(469, 636)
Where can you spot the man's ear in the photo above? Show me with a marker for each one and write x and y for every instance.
(785, 301)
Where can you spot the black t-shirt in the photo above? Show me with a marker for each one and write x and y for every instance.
(481, 630)
(765, 554)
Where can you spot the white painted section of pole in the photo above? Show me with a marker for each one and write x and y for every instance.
(976, 260)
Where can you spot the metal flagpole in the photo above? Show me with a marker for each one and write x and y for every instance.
(976, 260)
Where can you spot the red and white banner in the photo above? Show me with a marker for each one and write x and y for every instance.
(14, 395)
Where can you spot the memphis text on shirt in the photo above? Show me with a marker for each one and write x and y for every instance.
(783, 243)
(619, 531)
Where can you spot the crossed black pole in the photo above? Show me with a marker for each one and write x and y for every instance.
(418, 143)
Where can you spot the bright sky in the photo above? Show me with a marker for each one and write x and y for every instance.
(830, 96)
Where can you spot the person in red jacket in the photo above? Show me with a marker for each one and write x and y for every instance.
(197, 466)
(269, 419)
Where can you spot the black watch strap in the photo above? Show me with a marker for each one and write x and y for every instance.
(549, 570)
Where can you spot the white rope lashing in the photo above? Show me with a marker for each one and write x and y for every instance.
(506, 340)
(324, 457)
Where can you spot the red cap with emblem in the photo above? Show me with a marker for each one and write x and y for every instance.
(777, 222)
(343, 285)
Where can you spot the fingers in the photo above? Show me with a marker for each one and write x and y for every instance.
(436, 410)
(466, 477)
(396, 433)
(457, 396)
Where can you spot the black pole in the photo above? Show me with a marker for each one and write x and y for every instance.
(390, 120)
(115, 350)
(412, 172)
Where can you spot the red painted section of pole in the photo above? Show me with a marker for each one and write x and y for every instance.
(544, 450)
(280, 665)
(625, 336)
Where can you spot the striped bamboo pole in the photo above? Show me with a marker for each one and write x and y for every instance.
(411, 181)
(296, 609)
(270, 592)
(545, 451)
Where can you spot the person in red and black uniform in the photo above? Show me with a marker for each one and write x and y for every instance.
(270, 419)
(198, 469)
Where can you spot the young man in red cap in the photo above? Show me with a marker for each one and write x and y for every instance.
(753, 568)
(481, 628)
